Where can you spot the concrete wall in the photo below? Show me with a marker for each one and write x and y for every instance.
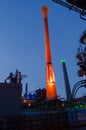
(10, 99)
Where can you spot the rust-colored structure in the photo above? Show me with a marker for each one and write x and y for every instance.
(50, 77)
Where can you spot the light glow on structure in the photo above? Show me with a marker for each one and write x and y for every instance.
(29, 104)
(24, 100)
(51, 92)
(63, 61)
(50, 82)
(50, 77)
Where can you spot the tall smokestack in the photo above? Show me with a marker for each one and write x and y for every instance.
(50, 77)
(66, 80)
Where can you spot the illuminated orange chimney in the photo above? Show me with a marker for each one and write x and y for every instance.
(50, 77)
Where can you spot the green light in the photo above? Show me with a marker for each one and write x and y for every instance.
(81, 106)
(76, 107)
(63, 61)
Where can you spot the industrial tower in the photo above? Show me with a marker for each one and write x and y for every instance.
(50, 77)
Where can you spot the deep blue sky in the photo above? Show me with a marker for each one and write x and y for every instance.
(22, 41)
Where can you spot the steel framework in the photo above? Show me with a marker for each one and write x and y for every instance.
(77, 86)
(72, 7)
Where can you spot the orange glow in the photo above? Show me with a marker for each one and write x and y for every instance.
(50, 77)
(51, 91)
(25, 100)
(29, 104)
(63, 104)
(50, 82)
(44, 11)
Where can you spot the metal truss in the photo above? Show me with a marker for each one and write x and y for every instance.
(72, 7)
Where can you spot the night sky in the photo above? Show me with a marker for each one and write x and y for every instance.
(22, 42)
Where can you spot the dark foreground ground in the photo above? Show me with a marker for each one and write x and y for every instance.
(48, 122)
